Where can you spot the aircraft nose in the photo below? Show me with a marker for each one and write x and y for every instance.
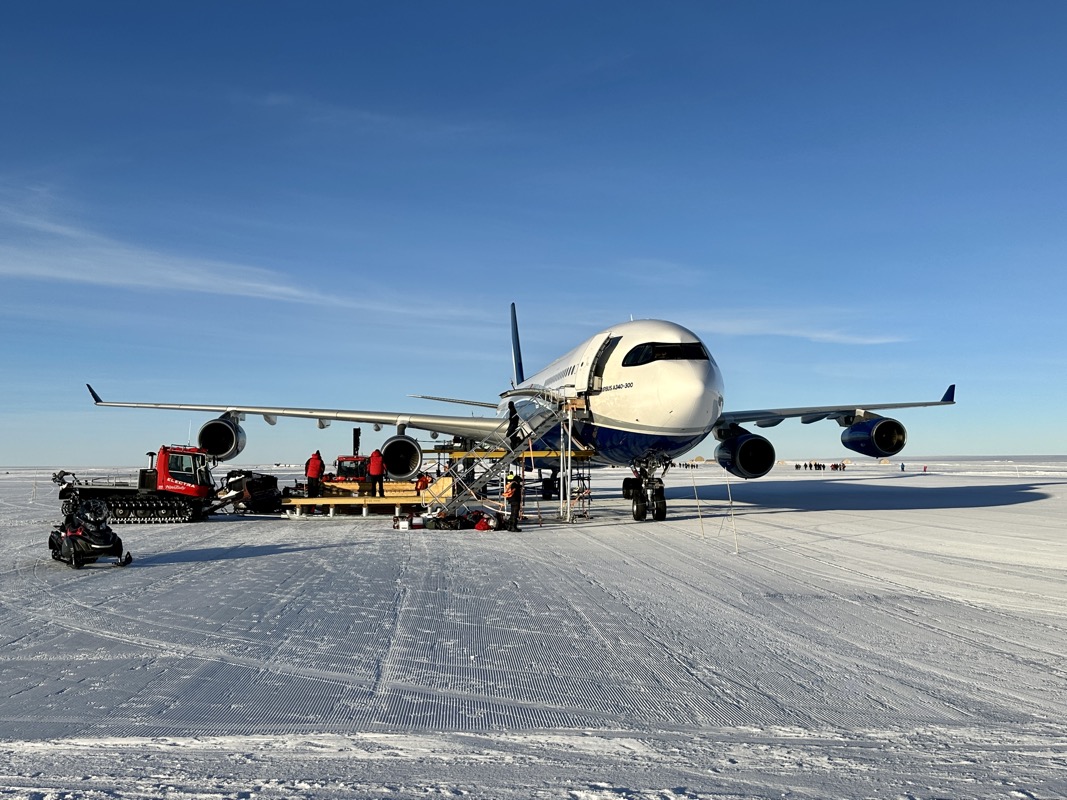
(690, 394)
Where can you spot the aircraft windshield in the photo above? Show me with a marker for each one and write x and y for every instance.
(657, 351)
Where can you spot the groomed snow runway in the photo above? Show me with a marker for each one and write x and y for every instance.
(869, 633)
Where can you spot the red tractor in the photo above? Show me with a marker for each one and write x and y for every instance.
(351, 468)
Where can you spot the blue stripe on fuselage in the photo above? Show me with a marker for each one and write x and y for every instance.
(614, 446)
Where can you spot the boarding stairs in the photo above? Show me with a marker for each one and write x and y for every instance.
(491, 465)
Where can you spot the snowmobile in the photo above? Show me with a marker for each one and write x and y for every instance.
(84, 536)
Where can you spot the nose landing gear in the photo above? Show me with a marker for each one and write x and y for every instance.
(646, 492)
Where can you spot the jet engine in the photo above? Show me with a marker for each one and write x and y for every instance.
(878, 437)
(402, 457)
(222, 438)
(745, 455)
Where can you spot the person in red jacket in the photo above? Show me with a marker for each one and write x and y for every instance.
(376, 473)
(314, 469)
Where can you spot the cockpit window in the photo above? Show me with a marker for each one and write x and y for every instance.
(657, 351)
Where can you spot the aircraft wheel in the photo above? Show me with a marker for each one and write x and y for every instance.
(630, 487)
(659, 510)
(640, 508)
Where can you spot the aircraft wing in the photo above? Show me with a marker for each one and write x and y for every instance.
(478, 428)
(768, 418)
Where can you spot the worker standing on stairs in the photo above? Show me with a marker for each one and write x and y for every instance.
(514, 426)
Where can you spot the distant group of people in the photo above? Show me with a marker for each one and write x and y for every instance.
(817, 466)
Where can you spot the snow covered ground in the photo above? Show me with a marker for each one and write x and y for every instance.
(866, 633)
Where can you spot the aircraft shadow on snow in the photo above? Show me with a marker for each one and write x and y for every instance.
(241, 551)
(902, 493)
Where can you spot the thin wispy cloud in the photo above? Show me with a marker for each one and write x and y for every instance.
(824, 325)
(416, 128)
(38, 248)
(790, 324)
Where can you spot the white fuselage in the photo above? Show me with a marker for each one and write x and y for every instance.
(652, 391)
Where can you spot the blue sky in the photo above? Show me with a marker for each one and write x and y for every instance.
(333, 204)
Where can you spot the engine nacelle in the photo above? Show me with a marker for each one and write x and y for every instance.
(402, 457)
(222, 438)
(746, 455)
(879, 437)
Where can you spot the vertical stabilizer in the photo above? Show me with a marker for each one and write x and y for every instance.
(516, 351)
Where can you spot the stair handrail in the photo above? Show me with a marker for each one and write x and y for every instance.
(492, 465)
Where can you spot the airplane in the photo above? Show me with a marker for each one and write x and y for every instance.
(650, 392)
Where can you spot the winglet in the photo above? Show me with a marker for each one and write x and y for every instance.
(96, 397)
(950, 395)
(516, 351)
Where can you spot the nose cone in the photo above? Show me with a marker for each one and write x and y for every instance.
(689, 394)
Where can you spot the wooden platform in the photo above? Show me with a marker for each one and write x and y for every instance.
(338, 498)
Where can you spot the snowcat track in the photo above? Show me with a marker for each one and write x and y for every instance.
(126, 510)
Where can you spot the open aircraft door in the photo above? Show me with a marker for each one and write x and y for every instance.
(589, 377)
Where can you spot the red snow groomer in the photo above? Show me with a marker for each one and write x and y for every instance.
(176, 487)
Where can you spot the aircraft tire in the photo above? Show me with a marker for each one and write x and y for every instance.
(640, 508)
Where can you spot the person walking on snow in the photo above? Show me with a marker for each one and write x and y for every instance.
(376, 473)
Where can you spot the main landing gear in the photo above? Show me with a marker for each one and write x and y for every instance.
(645, 491)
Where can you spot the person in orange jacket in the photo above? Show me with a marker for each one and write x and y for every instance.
(513, 498)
